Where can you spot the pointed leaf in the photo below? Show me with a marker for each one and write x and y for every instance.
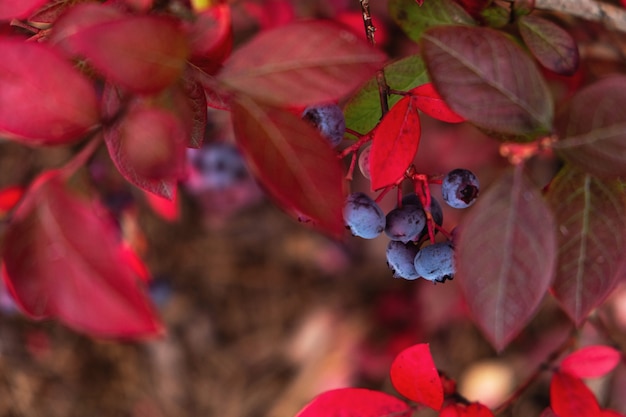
(591, 220)
(63, 260)
(144, 54)
(9, 197)
(553, 47)
(414, 375)
(592, 128)
(43, 99)
(591, 361)
(293, 161)
(167, 209)
(18, 9)
(301, 63)
(211, 38)
(395, 144)
(344, 402)
(362, 112)
(415, 20)
(570, 397)
(489, 80)
(428, 100)
(506, 256)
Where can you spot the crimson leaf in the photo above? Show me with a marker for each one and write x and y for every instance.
(570, 397)
(591, 219)
(18, 9)
(211, 38)
(395, 143)
(43, 99)
(506, 256)
(63, 259)
(293, 161)
(591, 361)
(414, 375)
(320, 60)
(489, 80)
(428, 100)
(359, 402)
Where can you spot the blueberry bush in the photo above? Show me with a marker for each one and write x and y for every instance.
(308, 101)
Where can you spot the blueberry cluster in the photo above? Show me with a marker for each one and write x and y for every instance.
(410, 254)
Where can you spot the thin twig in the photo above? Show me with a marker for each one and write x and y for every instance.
(370, 29)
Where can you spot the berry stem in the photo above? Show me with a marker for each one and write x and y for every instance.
(370, 29)
(355, 146)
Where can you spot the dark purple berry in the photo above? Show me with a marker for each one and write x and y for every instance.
(219, 165)
(460, 188)
(329, 120)
(400, 258)
(405, 223)
(363, 216)
(435, 262)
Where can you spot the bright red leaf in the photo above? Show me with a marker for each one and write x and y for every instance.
(395, 143)
(294, 163)
(9, 197)
(18, 9)
(142, 53)
(570, 397)
(463, 410)
(43, 98)
(321, 60)
(355, 402)
(428, 100)
(414, 375)
(63, 259)
(211, 38)
(167, 209)
(591, 361)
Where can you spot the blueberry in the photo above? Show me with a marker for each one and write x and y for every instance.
(364, 161)
(435, 262)
(219, 164)
(329, 121)
(460, 188)
(400, 258)
(405, 223)
(363, 216)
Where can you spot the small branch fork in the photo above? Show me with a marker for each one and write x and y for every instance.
(370, 29)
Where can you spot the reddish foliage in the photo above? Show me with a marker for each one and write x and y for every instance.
(9, 197)
(211, 38)
(428, 100)
(414, 375)
(355, 402)
(18, 9)
(570, 397)
(591, 361)
(463, 410)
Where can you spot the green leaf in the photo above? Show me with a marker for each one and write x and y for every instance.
(592, 128)
(591, 223)
(506, 255)
(363, 112)
(415, 20)
(489, 80)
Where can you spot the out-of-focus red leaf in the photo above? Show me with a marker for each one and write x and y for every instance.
(489, 80)
(591, 361)
(167, 209)
(43, 99)
(463, 410)
(271, 13)
(142, 53)
(18, 9)
(211, 38)
(135, 263)
(359, 402)
(9, 197)
(506, 254)
(474, 7)
(63, 260)
(553, 47)
(591, 227)
(47, 14)
(610, 413)
(293, 161)
(395, 143)
(140, 5)
(414, 375)
(570, 397)
(320, 60)
(196, 116)
(214, 92)
(591, 128)
(428, 100)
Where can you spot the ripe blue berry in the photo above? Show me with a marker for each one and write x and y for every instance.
(329, 120)
(363, 216)
(405, 223)
(435, 207)
(219, 164)
(435, 262)
(400, 258)
(460, 188)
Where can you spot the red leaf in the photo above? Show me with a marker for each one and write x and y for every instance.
(506, 254)
(167, 209)
(192, 109)
(428, 100)
(18, 9)
(133, 260)
(591, 361)
(570, 397)
(293, 161)
(395, 143)
(63, 259)
(462, 410)
(414, 375)
(211, 38)
(610, 413)
(43, 99)
(144, 54)
(9, 197)
(355, 402)
(321, 60)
